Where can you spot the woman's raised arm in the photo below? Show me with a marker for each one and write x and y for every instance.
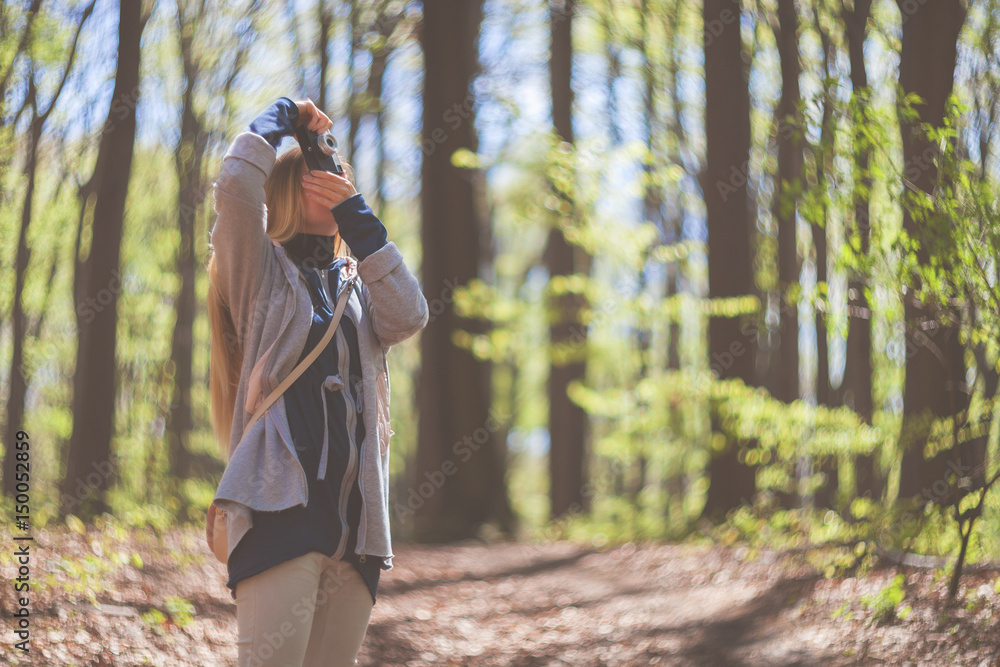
(395, 302)
(239, 237)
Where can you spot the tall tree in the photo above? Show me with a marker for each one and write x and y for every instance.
(567, 420)
(9, 13)
(612, 73)
(613, 53)
(783, 361)
(298, 51)
(826, 494)
(821, 164)
(39, 116)
(856, 388)
(677, 146)
(97, 280)
(935, 366)
(324, 16)
(460, 461)
(390, 15)
(783, 372)
(983, 82)
(194, 24)
(652, 204)
(6, 22)
(730, 225)
(353, 111)
(188, 155)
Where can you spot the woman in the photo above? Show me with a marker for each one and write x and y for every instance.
(305, 490)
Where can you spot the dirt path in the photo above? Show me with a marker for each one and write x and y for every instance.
(559, 604)
(507, 604)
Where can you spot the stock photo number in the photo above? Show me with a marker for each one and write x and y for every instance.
(22, 541)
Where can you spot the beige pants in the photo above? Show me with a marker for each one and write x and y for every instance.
(306, 612)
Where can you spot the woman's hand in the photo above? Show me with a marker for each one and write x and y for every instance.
(327, 188)
(312, 117)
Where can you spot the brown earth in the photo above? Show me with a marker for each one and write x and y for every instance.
(504, 604)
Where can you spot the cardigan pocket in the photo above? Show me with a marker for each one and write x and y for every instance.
(264, 473)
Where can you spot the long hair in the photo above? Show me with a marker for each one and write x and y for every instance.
(283, 194)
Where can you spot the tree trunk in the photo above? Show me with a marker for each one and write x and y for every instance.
(353, 114)
(325, 19)
(18, 383)
(189, 154)
(826, 494)
(730, 224)
(614, 67)
(459, 481)
(568, 423)
(188, 157)
(8, 18)
(90, 469)
(935, 365)
(652, 213)
(784, 367)
(674, 484)
(856, 389)
(373, 100)
(676, 152)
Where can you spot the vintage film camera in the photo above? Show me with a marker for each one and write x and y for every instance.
(319, 150)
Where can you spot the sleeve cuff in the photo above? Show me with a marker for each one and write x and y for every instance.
(276, 122)
(359, 226)
(380, 264)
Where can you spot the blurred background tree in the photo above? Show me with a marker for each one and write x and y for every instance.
(692, 268)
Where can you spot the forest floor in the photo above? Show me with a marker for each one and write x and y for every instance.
(163, 601)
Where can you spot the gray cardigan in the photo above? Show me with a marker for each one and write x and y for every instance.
(271, 307)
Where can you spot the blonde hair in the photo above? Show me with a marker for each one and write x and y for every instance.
(283, 195)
